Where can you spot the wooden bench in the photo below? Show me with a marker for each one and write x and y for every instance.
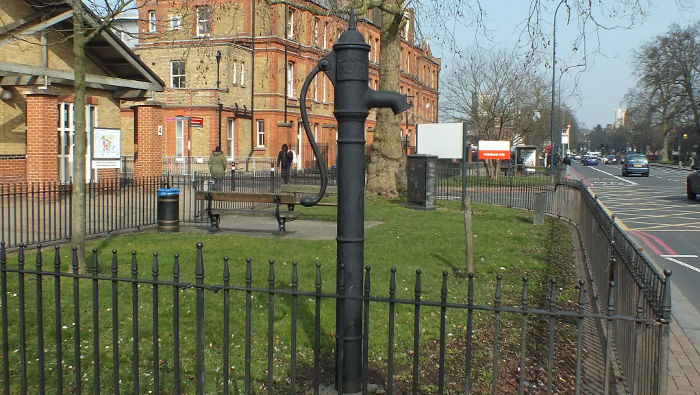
(299, 191)
(282, 215)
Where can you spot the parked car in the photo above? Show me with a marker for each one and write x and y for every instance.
(590, 160)
(636, 164)
(692, 183)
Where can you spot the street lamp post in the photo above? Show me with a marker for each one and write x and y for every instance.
(554, 73)
(218, 81)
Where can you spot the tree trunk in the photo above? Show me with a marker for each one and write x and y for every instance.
(387, 166)
(468, 234)
(80, 139)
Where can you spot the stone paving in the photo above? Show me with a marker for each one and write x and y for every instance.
(683, 363)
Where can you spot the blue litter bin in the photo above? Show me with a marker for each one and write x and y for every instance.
(168, 209)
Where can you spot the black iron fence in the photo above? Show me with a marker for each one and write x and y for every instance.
(40, 213)
(113, 329)
(624, 281)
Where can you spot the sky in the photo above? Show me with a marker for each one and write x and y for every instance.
(609, 75)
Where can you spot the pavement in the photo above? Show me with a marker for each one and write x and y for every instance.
(684, 356)
(684, 344)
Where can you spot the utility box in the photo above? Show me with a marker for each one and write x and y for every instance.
(421, 171)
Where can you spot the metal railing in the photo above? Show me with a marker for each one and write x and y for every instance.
(624, 280)
(170, 331)
(40, 214)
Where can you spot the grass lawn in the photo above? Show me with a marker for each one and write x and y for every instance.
(505, 243)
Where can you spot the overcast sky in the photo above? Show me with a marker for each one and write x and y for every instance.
(609, 73)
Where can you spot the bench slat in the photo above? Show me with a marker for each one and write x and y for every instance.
(299, 188)
(246, 197)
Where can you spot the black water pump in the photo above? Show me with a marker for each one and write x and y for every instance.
(347, 66)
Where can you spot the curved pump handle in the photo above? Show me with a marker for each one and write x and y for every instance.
(308, 201)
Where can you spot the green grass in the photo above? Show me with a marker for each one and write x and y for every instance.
(505, 243)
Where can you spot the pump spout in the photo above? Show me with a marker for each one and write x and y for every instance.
(396, 101)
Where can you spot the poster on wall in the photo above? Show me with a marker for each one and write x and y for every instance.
(106, 143)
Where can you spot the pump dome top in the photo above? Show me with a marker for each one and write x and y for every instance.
(351, 36)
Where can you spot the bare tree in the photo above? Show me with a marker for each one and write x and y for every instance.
(86, 26)
(90, 19)
(499, 97)
(660, 97)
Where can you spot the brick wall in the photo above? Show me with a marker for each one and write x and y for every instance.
(42, 145)
(12, 169)
(149, 147)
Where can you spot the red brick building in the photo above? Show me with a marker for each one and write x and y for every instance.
(238, 71)
(36, 95)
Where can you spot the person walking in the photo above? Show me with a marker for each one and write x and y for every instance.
(284, 163)
(217, 167)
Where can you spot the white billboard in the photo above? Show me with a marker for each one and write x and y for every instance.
(441, 139)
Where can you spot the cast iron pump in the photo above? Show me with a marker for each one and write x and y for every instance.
(347, 66)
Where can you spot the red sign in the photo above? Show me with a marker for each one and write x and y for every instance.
(197, 122)
(494, 150)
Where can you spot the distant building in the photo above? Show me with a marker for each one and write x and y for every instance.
(37, 100)
(241, 77)
(621, 118)
(126, 26)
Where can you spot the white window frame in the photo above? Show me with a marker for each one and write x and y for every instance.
(152, 25)
(234, 79)
(405, 27)
(230, 137)
(182, 78)
(316, 87)
(317, 21)
(325, 35)
(260, 133)
(175, 22)
(242, 74)
(324, 89)
(203, 22)
(66, 139)
(290, 79)
(290, 23)
(180, 126)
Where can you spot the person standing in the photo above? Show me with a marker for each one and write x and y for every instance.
(284, 163)
(217, 167)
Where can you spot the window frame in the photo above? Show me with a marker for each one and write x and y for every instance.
(290, 79)
(234, 79)
(152, 21)
(242, 74)
(230, 138)
(182, 78)
(290, 23)
(180, 139)
(260, 133)
(175, 22)
(325, 35)
(317, 22)
(200, 22)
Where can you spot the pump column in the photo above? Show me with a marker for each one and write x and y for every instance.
(351, 111)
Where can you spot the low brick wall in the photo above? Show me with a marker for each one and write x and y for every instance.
(13, 169)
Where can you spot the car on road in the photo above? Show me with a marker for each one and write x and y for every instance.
(611, 160)
(636, 164)
(692, 183)
(590, 160)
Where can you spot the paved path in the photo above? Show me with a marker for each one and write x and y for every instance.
(684, 358)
